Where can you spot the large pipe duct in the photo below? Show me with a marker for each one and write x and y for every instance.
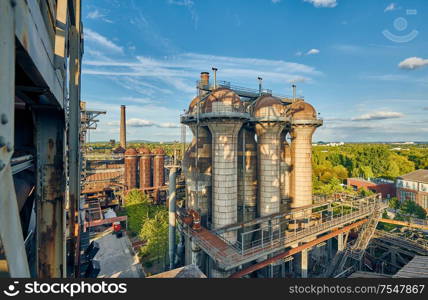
(285, 169)
(247, 175)
(123, 126)
(172, 213)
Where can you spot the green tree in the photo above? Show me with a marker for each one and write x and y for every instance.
(155, 233)
(138, 209)
(411, 208)
(394, 203)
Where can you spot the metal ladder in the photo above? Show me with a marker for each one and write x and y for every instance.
(356, 251)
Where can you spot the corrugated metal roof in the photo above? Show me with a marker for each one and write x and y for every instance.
(418, 175)
(104, 176)
(416, 268)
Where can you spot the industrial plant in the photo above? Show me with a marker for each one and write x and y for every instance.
(237, 201)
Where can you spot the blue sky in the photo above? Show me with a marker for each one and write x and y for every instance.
(363, 64)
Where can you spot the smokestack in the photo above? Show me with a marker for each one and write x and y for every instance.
(260, 84)
(215, 77)
(205, 80)
(294, 92)
(123, 126)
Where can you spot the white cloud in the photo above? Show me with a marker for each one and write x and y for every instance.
(381, 115)
(181, 70)
(96, 14)
(391, 7)
(412, 63)
(313, 51)
(323, 3)
(98, 39)
(139, 123)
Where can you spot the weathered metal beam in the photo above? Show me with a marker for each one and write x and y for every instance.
(50, 192)
(406, 224)
(74, 159)
(10, 223)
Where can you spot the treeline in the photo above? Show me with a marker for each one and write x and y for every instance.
(332, 165)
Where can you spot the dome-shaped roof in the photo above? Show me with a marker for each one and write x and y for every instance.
(192, 106)
(159, 151)
(302, 110)
(119, 150)
(143, 150)
(131, 152)
(222, 100)
(268, 106)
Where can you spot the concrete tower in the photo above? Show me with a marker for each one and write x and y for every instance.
(158, 167)
(123, 126)
(145, 168)
(304, 122)
(131, 165)
(224, 132)
(270, 114)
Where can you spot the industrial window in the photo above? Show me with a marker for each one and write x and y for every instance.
(425, 201)
(404, 195)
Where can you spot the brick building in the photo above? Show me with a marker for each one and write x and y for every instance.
(379, 185)
(414, 186)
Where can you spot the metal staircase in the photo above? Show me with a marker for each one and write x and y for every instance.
(356, 251)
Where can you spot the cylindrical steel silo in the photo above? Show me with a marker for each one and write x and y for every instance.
(145, 168)
(158, 167)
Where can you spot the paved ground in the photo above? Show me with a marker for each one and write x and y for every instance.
(117, 259)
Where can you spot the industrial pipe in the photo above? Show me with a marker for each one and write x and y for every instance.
(293, 251)
(172, 214)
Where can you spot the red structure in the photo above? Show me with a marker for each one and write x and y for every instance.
(131, 165)
(382, 186)
(145, 168)
(159, 168)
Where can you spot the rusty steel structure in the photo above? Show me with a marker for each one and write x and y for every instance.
(248, 175)
(41, 46)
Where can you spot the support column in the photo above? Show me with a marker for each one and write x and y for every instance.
(225, 187)
(304, 263)
(340, 242)
(10, 223)
(50, 191)
(74, 155)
